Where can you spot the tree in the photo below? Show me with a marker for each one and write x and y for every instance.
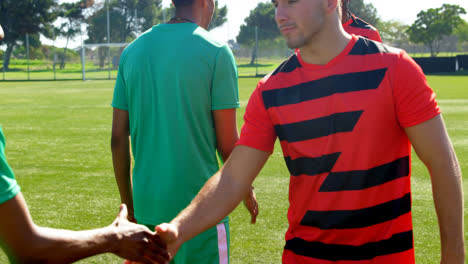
(219, 15)
(73, 16)
(34, 48)
(128, 18)
(462, 33)
(432, 25)
(393, 32)
(366, 12)
(19, 18)
(262, 17)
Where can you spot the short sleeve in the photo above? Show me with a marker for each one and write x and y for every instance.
(415, 100)
(8, 186)
(120, 90)
(224, 90)
(258, 131)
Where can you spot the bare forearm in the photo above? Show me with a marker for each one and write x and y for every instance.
(448, 199)
(63, 246)
(122, 170)
(220, 195)
(432, 144)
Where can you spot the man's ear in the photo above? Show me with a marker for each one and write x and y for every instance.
(332, 6)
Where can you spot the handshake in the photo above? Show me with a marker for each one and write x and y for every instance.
(157, 247)
(161, 245)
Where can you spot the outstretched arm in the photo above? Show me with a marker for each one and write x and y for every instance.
(226, 136)
(28, 243)
(433, 146)
(120, 146)
(218, 197)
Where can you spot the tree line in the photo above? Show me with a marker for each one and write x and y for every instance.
(431, 27)
(50, 18)
(129, 18)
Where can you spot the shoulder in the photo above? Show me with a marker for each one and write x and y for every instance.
(365, 46)
(207, 37)
(287, 66)
(137, 44)
(359, 23)
(283, 71)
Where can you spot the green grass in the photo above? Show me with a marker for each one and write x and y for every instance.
(58, 136)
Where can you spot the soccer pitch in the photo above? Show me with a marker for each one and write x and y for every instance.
(58, 144)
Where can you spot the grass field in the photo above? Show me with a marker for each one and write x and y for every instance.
(58, 137)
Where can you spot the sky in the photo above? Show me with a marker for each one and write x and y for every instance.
(400, 10)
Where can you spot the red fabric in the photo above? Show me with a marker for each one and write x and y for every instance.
(402, 99)
(406, 257)
(369, 31)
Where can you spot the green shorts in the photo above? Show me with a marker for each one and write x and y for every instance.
(209, 247)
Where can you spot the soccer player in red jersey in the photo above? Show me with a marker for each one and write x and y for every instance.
(346, 110)
(354, 25)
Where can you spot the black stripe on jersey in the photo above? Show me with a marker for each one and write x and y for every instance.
(366, 46)
(289, 65)
(345, 219)
(359, 23)
(320, 127)
(311, 166)
(345, 83)
(334, 252)
(363, 179)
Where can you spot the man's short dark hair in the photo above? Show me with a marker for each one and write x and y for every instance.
(345, 4)
(178, 3)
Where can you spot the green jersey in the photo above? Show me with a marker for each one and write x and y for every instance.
(8, 186)
(170, 80)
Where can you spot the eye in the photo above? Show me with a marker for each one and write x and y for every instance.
(274, 3)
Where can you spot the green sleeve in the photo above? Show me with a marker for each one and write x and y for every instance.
(224, 90)
(8, 186)
(120, 90)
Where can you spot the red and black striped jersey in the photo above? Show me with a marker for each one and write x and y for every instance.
(359, 27)
(341, 129)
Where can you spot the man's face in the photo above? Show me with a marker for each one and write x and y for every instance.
(299, 20)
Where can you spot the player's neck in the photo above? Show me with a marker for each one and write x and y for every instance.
(326, 45)
(184, 16)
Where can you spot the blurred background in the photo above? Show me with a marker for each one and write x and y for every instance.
(59, 40)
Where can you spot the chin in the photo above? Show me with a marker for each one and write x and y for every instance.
(294, 44)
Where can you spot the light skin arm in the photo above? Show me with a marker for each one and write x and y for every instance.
(433, 146)
(218, 197)
(28, 243)
(225, 121)
(120, 146)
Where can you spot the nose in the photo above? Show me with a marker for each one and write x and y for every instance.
(281, 14)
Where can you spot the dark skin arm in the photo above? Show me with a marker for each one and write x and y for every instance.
(227, 135)
(28, 243)
(121, 158)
